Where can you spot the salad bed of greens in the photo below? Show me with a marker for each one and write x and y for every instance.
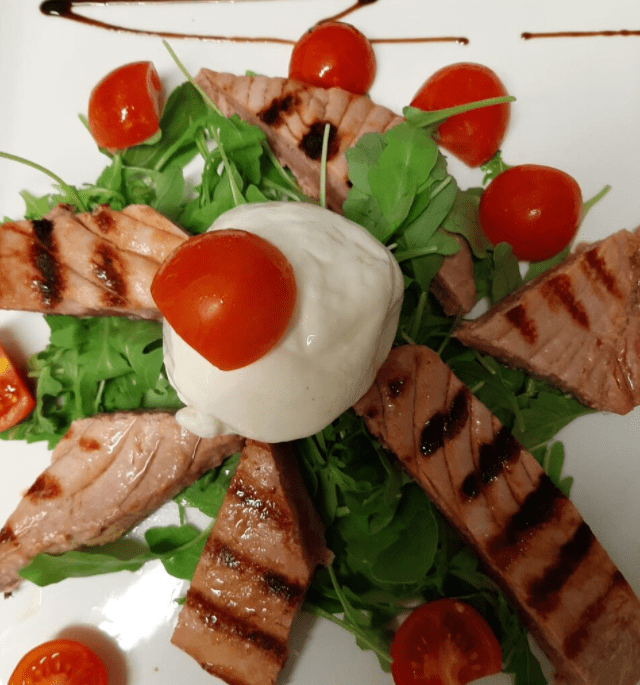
(392, 548)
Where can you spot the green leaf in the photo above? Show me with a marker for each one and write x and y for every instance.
(122, 555)
(179, 548)
(176, 145)
(463, 219)
(520, 661)
(506, 272)
(93, 365)
(207, 493)
(537, 268)
(546, 414)
(409, 558)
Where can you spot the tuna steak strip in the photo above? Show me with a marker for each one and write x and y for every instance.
(530, 537)
(254, 571)
(106, 474)
(576, 326)
(88, 264)
(293, 116)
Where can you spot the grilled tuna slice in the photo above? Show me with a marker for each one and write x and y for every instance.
(85, 264)
(531, 538)
(293, 116)
(454, 286)
(254, 571)
(106, 474)
(576, 326)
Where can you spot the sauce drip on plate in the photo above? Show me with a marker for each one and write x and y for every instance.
(65, 10)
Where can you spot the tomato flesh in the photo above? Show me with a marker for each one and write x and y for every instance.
(334, 54)
(60, 662)
(445, 642)
(124, 108)
(473, 137)
(16, 400)
(229, 294)
(536, 209)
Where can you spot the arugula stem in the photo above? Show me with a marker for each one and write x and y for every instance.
(322, 613)
(276, 163)
(421, 118)
(69, 190)
(415, 252)
(323, 166)
(482, 361)
(416, 320)
(440, 187)
(294, 194)
(596, 198)
(235, 191)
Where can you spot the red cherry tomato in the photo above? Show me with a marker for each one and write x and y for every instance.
(334, 54)
(536, 209)
(58, 662)
(445, 642)
(229, 294)
(474, 137)
(124, 108)
(16, 400)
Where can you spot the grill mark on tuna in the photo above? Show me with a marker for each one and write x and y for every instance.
(89, 444)
(559, 291)
(45, 487)
(496, 455)
(50, 281)
(574, 643)
(517, 316)
(279, 586)
(396, 387)
(43, 231)
(493, 458)
(538, 507)
(594, 266)
(220, 619)
(7, 535)
(446, 424)
(272, 114)
(252, 499)
(544, 593)
(108, 269)
(272, 583)
(311, 143)
(104, 220)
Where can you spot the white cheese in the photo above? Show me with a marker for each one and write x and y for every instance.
(349, 294)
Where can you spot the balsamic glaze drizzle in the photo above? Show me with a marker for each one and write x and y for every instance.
(529, 35)
(65, 10)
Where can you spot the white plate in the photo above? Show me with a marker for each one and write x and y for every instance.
(577, 108)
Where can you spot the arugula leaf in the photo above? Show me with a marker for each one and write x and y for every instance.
(177, 547)
(122, 555)
(207, 493)
(183, 113)
(93, 365)
(545, 414)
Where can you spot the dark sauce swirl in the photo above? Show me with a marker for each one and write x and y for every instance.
(65, 10)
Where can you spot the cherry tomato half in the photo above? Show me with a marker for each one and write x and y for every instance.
(536, 209)
(16, 400)
(473, 137)
(57, 662)
(229, 294)
(334, 54)
(124, 108)
(445, 642)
